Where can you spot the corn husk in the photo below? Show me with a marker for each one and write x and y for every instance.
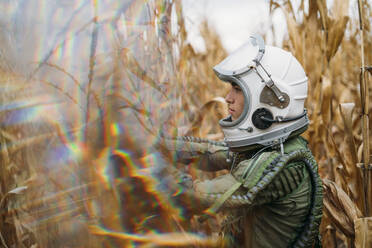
(363, 232)
(340, 208)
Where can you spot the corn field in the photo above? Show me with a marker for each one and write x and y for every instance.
(91, 84)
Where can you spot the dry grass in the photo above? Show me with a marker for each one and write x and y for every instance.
(133, 92)
(334, 102)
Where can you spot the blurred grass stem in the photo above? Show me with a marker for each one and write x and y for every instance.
(3, 241)
(1, 235)
(92, 61)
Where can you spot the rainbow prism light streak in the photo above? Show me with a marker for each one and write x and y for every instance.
(94, 81)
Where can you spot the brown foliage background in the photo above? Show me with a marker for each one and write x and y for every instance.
(156, 82)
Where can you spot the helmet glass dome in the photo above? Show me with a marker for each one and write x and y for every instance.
(233, 67)
(273, 86)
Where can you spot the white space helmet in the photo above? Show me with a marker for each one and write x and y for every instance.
(274, 85)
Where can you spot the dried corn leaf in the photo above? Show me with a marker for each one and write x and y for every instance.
(341, 178)
(331, 240)
(326, 100)
(354, 177)
(338, 23)
(168, 239)
(363, 232)
(337, 150)
(335, 36)
(340, 208)
(322, 7)
(294, 31)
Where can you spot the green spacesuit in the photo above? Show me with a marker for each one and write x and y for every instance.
(271, 200)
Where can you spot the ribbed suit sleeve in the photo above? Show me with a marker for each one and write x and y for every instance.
(206, 156)
(285, 182)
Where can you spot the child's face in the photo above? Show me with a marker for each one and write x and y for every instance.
(235, 101)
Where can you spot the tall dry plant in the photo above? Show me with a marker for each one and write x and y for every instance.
(329, 36)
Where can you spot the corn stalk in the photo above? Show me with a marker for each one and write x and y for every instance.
(364, 91)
